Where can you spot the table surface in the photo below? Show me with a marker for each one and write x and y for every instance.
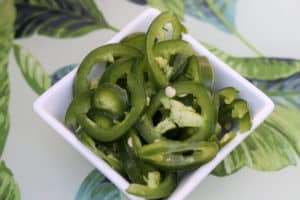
(46, 167)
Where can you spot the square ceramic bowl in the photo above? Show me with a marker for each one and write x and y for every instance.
(52, 106)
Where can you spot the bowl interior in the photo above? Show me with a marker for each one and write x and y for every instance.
(52, 105)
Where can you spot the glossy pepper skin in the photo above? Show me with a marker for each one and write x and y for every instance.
(233, 109)
(111, 159)
(110, 98)
(106, 53)
(203, 99)
(163, 52)
(136, 40)
(135, 168)
(78, 109)
(174, 155)
(163, 189)
(156, 32)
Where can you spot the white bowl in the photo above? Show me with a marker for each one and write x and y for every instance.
(52, 106)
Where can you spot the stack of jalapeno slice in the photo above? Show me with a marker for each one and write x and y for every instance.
(153, 112)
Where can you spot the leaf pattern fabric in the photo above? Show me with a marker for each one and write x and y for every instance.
(32, 70)
(9, 189)
(273, 146)
(176, 6)
(60, 73)
(284, 91)
(220, 13)
(259, 68)
(58, 18)
(96, 187)
(7, 17)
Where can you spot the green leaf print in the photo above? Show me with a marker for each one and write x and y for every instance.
(219, 13)
(276, 143)
(9, 189)
(7, 17)
(272, 146)
(176, 6)
(61, 72)
(58, 18)
(32, 70)
(284, 92)
(96, 187)
(261, 68)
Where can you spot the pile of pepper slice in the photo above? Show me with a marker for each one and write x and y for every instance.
(153, 112)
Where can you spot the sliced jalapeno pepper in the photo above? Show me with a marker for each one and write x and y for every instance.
(114, 162)
(198, 69)
(136, 40)
(111, 98)
(163, 189)
(207, 73)
(130, 160)
(227, 138)
(245, 123)
(152, 36)
(205, 123)
(106, 53)
(190, 72)
(228, 94)
(135, 168)
(137, 102)
(80, 104)
(115, 71)
(174, 155)
(163, 52)
(237, 109)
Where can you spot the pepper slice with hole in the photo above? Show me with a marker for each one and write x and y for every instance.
(164, 50)
(78, 109)
(153, 35)
(136, 40)
(228, 94)
(203, 124)
(174, 155)
(111, 98)
(227, 138)
(107, 53)
(114, 162)
(135, 168)
(157, 191)
(190, 72)
(236, 110)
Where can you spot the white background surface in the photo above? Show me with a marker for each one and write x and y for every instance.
(46, 167)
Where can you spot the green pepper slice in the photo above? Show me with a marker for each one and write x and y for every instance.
(106, 53)
(153, 34)
(227, 138)
(163, 189)
(204, 126)
(114, 162)
(163, 52)
(77, 111)
(232, 109)
(174, 155)
(228, 94)
(135, 168)
(111, 98)
(130, 159)
(136, 40)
